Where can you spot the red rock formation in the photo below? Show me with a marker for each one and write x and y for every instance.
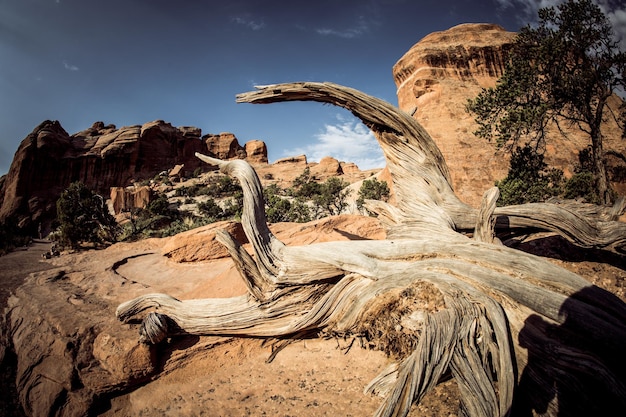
(349, 167)
(49, 159)
(224, 146)
(327, 167)
(292, 160)
(437, 76)
(471, 53)
(256, 152)
(176, 174)
(128, 198)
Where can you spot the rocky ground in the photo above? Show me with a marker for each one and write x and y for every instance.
(99, 364)
(14, 268)
(76, 294)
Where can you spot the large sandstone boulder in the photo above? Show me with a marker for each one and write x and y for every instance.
(327, 167)
(256, 152)
(224, 146)
(200, 245)
(437, 76)
(434, 80)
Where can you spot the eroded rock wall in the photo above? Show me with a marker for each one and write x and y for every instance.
(103, 156)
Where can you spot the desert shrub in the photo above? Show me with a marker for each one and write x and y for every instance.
(529, 180)
(182, 224)
(222, 186)
(150, 221)
(305, 185)
(279, 208)
(140, 224)
(333, 196)
(372, 190)
(182, 191)
(83, 216)
(211, 209)
(582, 185)
(233, 208)
(299, 211)
(192, 190)
(227, 186)
(12, 236)
(276, 207)
(327, 198)
(160, 206)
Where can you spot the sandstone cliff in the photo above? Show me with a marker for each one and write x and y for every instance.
(49, 159)
(437, 76)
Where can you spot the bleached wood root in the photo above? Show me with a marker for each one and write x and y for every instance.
(486, 222)
(433, 298)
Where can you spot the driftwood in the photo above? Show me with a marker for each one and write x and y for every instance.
(517, 333)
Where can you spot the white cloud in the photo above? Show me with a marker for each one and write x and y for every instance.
(249, 23)
(347, 141)
(70, 67)
(361, 27)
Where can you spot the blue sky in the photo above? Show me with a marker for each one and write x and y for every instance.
(129, 62)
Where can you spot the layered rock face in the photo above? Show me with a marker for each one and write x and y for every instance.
(437, 76)
(49, 159)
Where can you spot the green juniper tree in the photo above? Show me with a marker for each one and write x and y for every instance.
(329, 198)
(529, 180)
(372, 190)
(83, 216)
(333, 196)
(562, 70)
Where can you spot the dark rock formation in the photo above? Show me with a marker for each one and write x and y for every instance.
(49, 159)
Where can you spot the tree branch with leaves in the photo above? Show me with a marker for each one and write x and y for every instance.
(563, 70)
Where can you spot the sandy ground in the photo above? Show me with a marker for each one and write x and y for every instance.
(16, 265)
(308, 378)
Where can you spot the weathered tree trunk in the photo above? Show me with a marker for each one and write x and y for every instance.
(516, 332)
